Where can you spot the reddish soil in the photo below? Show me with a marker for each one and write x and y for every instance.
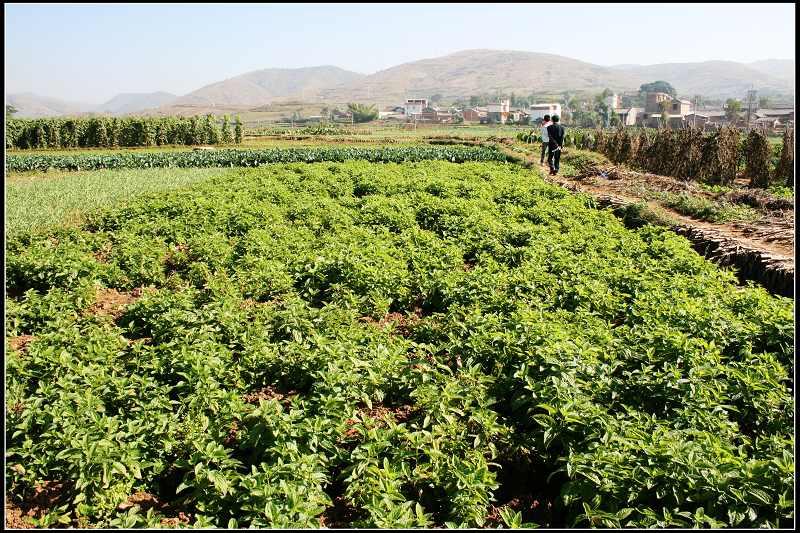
(144, 500)
(147, 501)
(233, 435)
(111, 302)
(340, 515)
(402, 324)
(269, 393)
(20, 343)
(379, 412)
(46, 496)
(16, 517)
(103, 254)
(529, 506)
(181, 519)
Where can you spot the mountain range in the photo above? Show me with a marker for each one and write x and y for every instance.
(457, 75)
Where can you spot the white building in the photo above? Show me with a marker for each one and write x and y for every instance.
(497, 112)
(503, 106)
(538, 111)
(415, 105)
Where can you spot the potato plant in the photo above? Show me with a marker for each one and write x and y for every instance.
(422, 344)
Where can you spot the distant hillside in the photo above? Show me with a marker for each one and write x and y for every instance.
(462, 74)
(265, 86)
(474, 72)
(30, 105)
(715, 79)
(133, 102)
(779, 68)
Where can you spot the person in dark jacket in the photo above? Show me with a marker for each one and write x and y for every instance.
(555, 137)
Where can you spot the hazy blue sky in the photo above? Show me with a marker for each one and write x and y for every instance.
(91, 52)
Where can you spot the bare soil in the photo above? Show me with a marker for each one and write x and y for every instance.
(16, 518)
(20, 343)
(111, 302)
(269, 393)
(46, 496)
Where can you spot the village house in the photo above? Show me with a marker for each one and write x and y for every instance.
(784, 114)
(341, 116)
(767, 123)
(630, 116)
(497, 112)
(717, 116)
(392, 113)
(415, 105)
(538, 111)
(677, 110)
(698, 120)
(518, 115)
(433, 115)
(474, 114)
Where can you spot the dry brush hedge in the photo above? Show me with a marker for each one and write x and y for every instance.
(690, 154)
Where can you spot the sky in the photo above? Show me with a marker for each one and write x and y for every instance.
(91, 52)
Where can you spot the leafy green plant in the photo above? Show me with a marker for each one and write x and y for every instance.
(391, 344)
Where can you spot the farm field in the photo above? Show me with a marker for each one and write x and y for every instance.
(383, 344)
(36, 200)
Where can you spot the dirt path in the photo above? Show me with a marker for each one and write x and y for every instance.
(766, 260)
(740, 232)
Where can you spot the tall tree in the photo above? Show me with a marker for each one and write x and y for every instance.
(10, 110)
(664, 105)
(659, 86)
(226, 130)
(732, 109)
(784, 170)
(362, 112)
(238, 130)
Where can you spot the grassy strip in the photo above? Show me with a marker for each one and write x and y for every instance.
(34, 201)
(705, 209)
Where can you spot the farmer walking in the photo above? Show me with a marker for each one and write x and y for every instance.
(545, 123)
(555, 140)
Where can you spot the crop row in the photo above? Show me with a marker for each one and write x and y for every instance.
(250, 158)
(115, 132)
(715, 158)
(363, 345)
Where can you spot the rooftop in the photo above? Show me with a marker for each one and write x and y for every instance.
(776, 111)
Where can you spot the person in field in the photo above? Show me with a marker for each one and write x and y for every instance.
(555, 141)
(545, 123)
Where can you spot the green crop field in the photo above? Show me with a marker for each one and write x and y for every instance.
(35, 201)
(382, 344)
